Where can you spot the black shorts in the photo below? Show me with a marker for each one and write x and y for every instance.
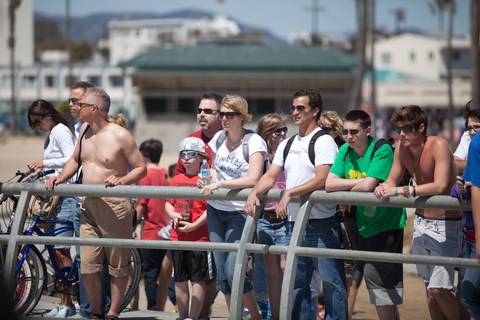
(384, 280)
(195, 266)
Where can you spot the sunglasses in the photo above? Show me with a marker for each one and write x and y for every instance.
(83, 105)
(474, 128)
(74, 100)
(327, 129)
(37, 122)
(206, 111)
(299, 108)
(352, 132)
(229, 115)
(189, 154)
(280, 130)
(406, 129)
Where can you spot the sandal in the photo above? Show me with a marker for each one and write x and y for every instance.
(96, 316)
(111, 317)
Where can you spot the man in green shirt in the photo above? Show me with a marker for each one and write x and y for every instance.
(380, 228)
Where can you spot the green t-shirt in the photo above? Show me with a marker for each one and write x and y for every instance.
(370, 220)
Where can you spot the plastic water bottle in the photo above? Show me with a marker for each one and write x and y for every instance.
(205, 172)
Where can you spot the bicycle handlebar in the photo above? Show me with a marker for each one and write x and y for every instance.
(41, 174)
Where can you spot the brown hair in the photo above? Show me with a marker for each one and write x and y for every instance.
(237, 104)
(411, 115)
(44, 108)
(265, 127)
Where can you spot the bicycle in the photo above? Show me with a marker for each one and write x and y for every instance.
(31, 273)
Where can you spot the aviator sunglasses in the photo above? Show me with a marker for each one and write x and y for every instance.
(229, 115)
(189, 154)
(406, 129)
(206, 111)
(299, 108)
(74, 100)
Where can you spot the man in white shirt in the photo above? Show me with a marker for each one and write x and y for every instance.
(303, 177)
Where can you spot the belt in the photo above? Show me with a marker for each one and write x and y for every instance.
(270, 216)
(470, 235)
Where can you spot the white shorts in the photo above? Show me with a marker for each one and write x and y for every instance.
(437, 237)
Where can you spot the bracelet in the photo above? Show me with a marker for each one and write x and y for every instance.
(396, 191)
(410, 191)
(414, 192)
(406, 192)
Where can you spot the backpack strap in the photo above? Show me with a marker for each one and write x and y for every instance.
(287, 149)
(348, 151)
(80, 174)
(311, 145)
(379, 143)
(221, 139)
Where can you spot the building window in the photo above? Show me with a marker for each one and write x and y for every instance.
(386, 58)
(95, 80)
(155, 106)
(116, 81)
(50, 81)
(6, 81)
(29, 82)
(186, 105)
(456, 55)
(412, 56)
(431, 55)
(69, 84)
(264, 106)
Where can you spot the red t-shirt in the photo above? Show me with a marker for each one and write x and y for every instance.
(197, 208)
(199, 134)
(155, 216)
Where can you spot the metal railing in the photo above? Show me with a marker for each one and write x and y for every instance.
(293, 251)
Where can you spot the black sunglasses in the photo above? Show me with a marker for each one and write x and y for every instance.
(299, 108)
(37, 122)
(74, 100)
(280, 130)
(229, 115)
(406, 129)
(83, 105)
(352, 132)
(206, 111)
(327, 129)
(474, 128)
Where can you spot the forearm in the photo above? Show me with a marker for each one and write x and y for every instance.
(461, 165)
(134, 176)
(335, 183)
(68, 171)
(430, 189)
(200, 221)
(365, 184)
(240, 183)
(307, 187)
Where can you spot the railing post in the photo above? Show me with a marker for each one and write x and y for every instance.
(236, 305)
(12, 247)
(296, 239)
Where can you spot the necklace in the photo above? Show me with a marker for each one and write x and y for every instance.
(413, 179)
(233, 144)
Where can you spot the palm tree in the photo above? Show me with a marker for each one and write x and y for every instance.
(475, 51)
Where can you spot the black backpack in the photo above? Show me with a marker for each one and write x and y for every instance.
(311, 146)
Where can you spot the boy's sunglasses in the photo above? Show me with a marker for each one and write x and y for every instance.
(37, 122)
(406, 129)
(206, 111)
(352, 132)
(189, 154)
(280, 130)
(299, 108)
(229, 115)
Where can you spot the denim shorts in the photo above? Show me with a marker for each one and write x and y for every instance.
(271, 233)
(438, 238)
(66, 212)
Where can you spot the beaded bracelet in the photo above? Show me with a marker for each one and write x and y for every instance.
(406, 191)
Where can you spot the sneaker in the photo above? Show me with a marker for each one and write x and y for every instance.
(66, 312)
(54, 312)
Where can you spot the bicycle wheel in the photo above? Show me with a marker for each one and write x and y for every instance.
(134, 278)
(29, 280)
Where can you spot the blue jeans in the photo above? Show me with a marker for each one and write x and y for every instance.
(321, 233)
(152, 265)
(226, 227)
(66, 212)
(84, 302)
(470, 293)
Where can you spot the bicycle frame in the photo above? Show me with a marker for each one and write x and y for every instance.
(34, 229)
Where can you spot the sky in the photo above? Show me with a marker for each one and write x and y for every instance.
(281, 17)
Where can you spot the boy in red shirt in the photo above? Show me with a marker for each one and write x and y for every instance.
(190, 224)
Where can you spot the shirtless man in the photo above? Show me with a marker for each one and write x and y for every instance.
(433, 169)
(107, 149)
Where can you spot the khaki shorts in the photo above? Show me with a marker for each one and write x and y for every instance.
(106, 218)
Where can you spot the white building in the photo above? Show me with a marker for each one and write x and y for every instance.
(23, 33)
(412, 69)
(129, 38)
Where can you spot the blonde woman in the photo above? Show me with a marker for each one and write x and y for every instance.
(272, 230)
(230, 170)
